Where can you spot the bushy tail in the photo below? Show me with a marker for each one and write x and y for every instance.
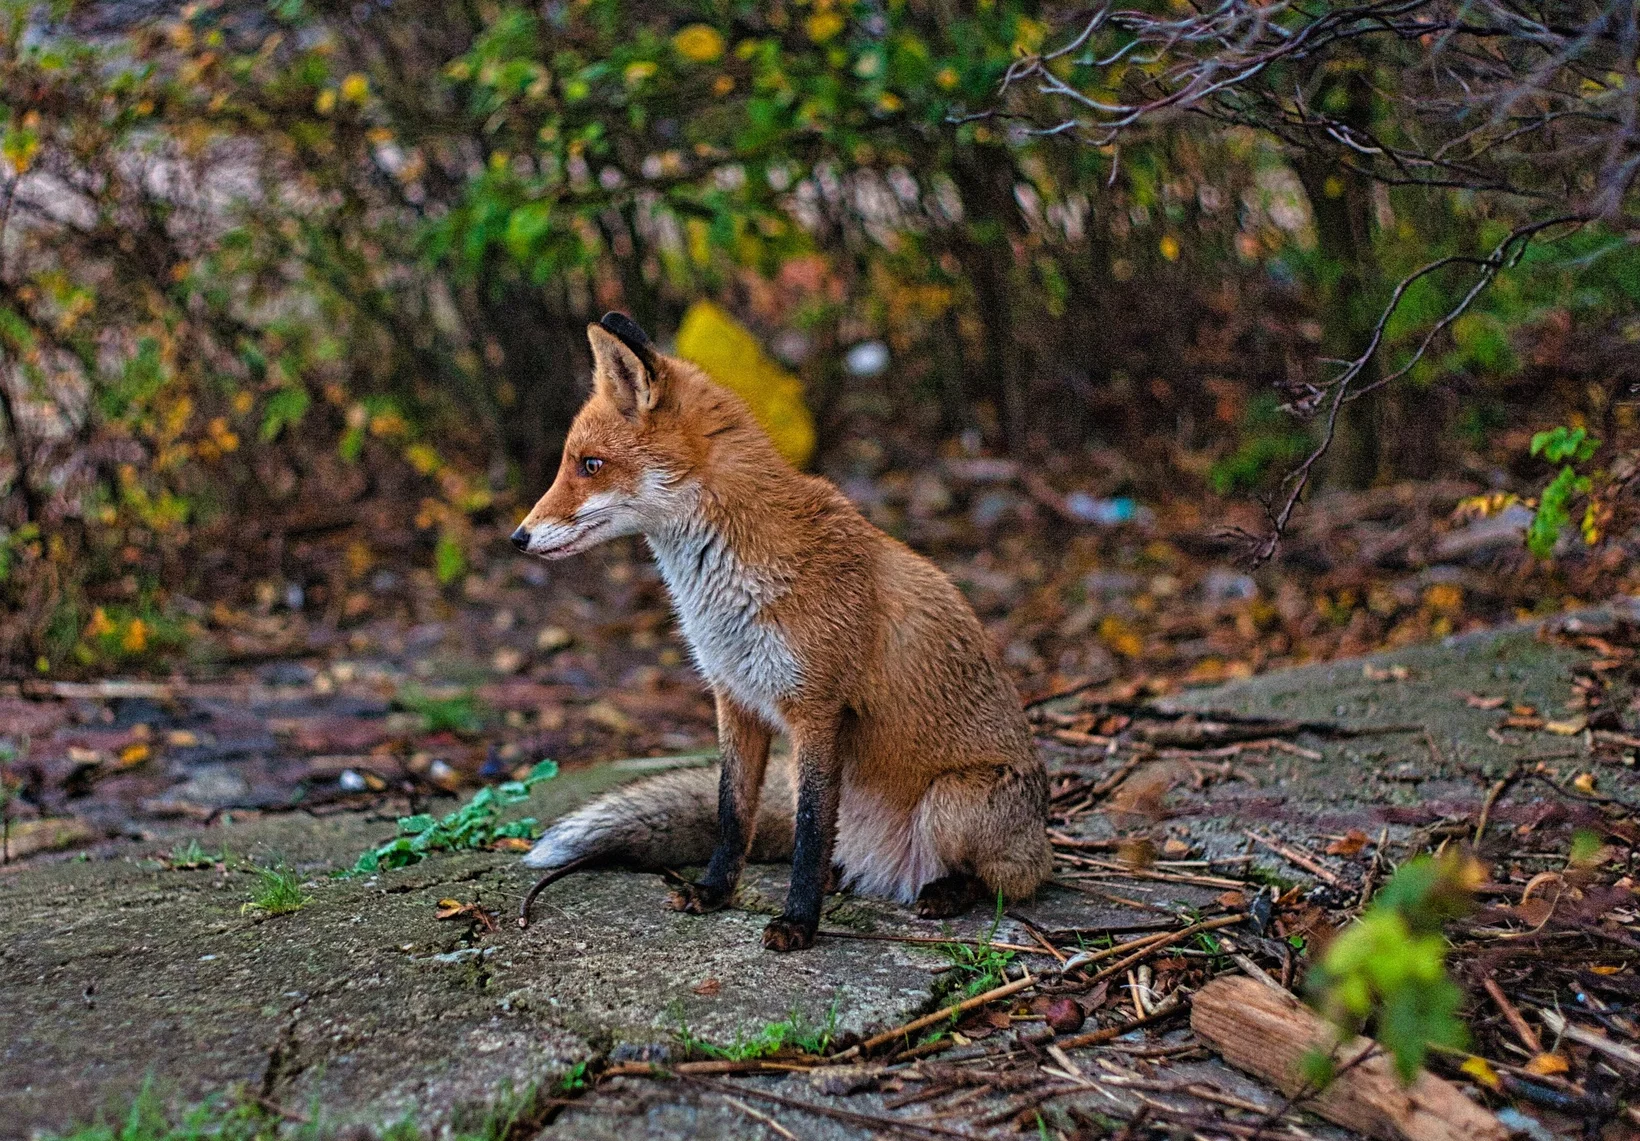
(665, 821)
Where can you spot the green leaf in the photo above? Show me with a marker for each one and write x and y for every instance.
(285, 408)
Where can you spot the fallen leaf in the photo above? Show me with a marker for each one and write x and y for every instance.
(1481, 1070)
(710, 988)
(1522, 721)
(1547, 1064)
(1231, 900)
(1584, 783)
(1570, 728)
(511, 844)
(1349, 845)
(134, 755)
(1477, 701)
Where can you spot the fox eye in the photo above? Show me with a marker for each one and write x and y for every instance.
(590, 465)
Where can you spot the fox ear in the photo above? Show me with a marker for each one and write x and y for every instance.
(624, 365)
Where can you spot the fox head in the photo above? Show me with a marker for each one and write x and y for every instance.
(635, 452)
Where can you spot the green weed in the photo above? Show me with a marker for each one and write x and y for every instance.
(473, 826)
(189, 856)
(220, 1118)
(279, 893)
(977, 969)
(794, 1033)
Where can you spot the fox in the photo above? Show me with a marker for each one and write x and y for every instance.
(911, 772)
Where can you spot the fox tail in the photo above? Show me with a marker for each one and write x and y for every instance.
(667, 820)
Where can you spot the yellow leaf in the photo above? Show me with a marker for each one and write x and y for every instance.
(698, 43)
(1584, 783)
(1481, 1070)
(822, 26)
(134, 754)
(726, 349)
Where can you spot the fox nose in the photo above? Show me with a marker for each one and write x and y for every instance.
(521, 538)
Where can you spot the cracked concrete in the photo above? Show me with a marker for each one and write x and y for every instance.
(117, 969)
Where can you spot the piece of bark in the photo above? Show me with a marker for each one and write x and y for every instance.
(1267, 1033)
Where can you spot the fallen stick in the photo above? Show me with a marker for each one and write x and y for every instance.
(1268, 1035)
(1298, 859)
(1522, 1029)
(1593, 1039)
(939, 1016)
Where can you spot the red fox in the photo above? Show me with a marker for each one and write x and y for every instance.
(913, 772)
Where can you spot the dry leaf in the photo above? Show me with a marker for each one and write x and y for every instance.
(1547, 1064)
(511, 844)
(1584, 783)
(1569, 728)
(1522, 721)
(1349, 845)
(709, 988)
(1231, 901)
(1477, 701)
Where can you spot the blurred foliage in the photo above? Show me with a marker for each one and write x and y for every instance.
(279, 272)
(1388, 969)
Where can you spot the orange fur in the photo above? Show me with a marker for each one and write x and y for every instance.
(911, 759)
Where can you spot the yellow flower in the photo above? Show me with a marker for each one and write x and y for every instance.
(326, 102)
(698, 43)
(1169, 245)
(355, 88)
(637, 72)
(822, 26)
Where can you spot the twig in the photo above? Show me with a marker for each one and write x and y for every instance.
(941, 1015)
(932, 941)
(1593, 1039)
(760, 1116)
(1297, 858)
(1522, 1029)
(869, 1120)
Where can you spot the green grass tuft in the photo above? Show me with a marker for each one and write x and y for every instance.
(279, 893)
(793, 1034)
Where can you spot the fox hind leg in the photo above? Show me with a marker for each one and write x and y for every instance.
(990, 826)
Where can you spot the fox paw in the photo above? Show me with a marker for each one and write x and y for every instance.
(697, 899)
(949, 896)
(784, 934)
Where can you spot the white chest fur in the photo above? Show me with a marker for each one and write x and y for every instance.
(720, 603)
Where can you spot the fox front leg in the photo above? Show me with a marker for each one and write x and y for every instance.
(819, 786)
(743, 741)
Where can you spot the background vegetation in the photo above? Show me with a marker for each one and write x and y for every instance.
(291, 291)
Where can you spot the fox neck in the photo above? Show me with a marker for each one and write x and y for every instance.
(722, 596)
